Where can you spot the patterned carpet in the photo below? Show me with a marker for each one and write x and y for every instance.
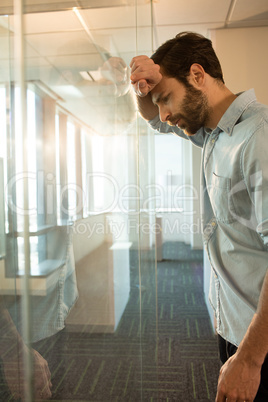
(164, 348)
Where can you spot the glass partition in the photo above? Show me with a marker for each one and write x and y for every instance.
(9, 338)
(78, 269)
(101, 295)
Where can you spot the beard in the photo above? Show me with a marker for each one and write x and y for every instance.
(195, 111)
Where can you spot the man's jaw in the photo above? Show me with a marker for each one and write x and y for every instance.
(175, 122)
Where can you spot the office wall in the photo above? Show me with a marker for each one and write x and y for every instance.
(88, 234)
(244, 58)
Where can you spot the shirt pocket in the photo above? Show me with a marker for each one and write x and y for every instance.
(221, 199)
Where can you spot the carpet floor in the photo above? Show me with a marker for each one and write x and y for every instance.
(164, 348)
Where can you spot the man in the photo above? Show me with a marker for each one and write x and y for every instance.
(180, 89)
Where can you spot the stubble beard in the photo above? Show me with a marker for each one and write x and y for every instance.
(195, 111)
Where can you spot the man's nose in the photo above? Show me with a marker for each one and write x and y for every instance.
(164, 114)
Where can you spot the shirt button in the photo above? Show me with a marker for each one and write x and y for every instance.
(213, 141)
(213, 223)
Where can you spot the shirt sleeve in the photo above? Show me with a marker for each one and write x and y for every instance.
(197, 139)
(255, 172)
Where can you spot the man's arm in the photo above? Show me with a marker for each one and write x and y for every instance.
(240, 376)
(145, 75)
(241, 373)
(12, 351)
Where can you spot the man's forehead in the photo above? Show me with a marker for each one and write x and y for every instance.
(157, 91)
(156, 96)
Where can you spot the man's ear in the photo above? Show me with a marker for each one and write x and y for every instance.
(197, 75)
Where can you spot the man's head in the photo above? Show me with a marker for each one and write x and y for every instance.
(191, 78)
(177, 55)
(180, 105)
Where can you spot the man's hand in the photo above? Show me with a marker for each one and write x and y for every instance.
(238, 380)
(15, 376)
(42, 377)
(145, 75)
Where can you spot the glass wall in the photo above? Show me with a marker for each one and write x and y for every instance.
(77, 253)
(93, 305)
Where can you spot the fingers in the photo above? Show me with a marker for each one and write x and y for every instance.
(226, 399)
(220, 397)
(42, 381)
(15, 378)
(141, 88)
(42, 395)
(143, 64)
(43, 389)
(145, 72)
(47, 371)
(142, 68)
(138, 59)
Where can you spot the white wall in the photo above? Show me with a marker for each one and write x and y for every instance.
(88, 234)
(244, 58)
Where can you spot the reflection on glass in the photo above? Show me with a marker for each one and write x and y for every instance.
(32, 148)
(98, 181)
(92, 284)
(71, 169)
(107, 323)
(57, 152)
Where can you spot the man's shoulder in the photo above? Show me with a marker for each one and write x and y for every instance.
(256, 113)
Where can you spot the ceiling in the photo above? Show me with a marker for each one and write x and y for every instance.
(62, 42)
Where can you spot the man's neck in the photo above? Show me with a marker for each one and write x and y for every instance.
(220, 98)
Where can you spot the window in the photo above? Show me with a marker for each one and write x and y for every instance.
(3, 140)
(58, 153)
(97, 182)
(32, 154)
(33, 179)
(168, 171)
(85, 167)
(58, 185)
(71, 169)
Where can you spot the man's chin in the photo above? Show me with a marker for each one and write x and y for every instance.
(185, 129)
(187, 132)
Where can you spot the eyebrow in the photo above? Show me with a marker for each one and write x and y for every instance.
(156, 99)
(159, 98)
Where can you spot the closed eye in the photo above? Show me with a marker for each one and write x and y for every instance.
(161, 99)
(165, 99)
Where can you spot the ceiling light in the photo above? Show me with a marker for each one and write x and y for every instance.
(92, 75)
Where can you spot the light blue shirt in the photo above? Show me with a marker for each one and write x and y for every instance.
(234, 210)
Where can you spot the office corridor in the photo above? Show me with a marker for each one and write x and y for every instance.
(164, 341)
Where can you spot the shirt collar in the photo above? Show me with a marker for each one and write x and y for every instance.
(235, 110)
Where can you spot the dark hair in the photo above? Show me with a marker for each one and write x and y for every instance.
(178, 54)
